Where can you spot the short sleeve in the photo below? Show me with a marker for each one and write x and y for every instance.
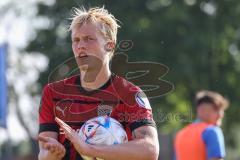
(136, 110)
(46, 113)
(214, 141)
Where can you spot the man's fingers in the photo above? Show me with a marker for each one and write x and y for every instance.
(63, 125)
(60, 122)
(53, 146)
(43, 139)
(57, 150)
(60, 151)
(48, 146)
(61, 155)
(69, 132)
(52, 149)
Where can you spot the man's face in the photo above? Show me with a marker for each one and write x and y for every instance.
(88, 45)
(220, 115)
(211, 113)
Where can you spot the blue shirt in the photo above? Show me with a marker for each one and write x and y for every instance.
(214, 140)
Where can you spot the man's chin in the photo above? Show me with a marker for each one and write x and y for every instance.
(83, 68)
(219, 123)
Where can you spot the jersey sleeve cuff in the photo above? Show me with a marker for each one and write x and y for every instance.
(48, 127)
(141, 123)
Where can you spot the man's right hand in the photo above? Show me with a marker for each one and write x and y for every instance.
(50, 149)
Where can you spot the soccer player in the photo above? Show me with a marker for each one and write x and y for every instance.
(203, 139)
(95, 91)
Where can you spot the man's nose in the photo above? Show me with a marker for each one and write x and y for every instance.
(221, 114)
(81, 45)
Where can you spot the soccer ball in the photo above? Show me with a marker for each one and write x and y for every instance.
(102, 130)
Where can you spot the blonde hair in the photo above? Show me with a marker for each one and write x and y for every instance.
(211, 97)
(107, 22)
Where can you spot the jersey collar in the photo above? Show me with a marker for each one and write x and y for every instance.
(87, 92)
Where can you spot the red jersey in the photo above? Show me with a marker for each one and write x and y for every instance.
(67, 100)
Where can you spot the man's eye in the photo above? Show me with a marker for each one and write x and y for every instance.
(75, 40)
(89, 38)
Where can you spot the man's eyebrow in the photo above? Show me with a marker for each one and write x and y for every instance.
(86, 35)
(74, 38)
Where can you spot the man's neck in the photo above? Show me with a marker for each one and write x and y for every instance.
(204, 119)
(92, 80)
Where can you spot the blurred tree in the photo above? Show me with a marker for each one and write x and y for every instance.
(18, 27)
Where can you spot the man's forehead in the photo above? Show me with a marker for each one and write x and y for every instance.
(85, 29)
(217, 108)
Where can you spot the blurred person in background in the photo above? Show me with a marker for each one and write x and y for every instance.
(203, 139)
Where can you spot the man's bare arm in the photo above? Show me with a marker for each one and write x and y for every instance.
(144, 145)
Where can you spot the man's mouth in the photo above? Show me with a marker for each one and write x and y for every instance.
(83, 55)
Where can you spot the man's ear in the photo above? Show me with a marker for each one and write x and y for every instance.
(109, 46)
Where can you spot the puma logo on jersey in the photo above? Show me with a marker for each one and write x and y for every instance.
(62, 110)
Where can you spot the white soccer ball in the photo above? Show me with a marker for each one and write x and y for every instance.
(102, 130)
